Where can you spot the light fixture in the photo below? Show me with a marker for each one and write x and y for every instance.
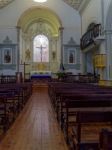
(40, 1)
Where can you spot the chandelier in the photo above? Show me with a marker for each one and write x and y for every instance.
(40, 1)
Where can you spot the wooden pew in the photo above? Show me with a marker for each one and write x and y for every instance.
(12, 99)
(83, 100)
(55, 89)
(3, 114)
(84, 119)
(68, 90)
(83, 96)
(69, 107)
(105, 140)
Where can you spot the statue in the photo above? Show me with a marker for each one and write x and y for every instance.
(27, 55)
(7, 57)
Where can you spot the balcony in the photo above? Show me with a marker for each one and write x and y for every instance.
(90, 36)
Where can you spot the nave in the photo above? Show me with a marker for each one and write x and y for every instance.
(36, 127)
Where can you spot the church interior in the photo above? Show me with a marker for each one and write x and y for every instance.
(55, 75)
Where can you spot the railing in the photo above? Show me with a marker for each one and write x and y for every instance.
(7, 79)
(88, 38)
(87, 78)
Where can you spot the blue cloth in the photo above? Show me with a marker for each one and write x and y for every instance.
(40, 76)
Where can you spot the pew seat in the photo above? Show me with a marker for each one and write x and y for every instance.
(105, 139)
(86, 130)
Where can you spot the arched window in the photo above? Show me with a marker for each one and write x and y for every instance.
(41, 49)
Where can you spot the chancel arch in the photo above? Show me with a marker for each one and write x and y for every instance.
(34, 22)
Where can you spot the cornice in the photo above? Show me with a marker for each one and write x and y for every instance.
(4, 3)
(73, 3)
(83, 5)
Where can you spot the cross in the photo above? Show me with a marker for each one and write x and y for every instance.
(24, 65)
(41, 49)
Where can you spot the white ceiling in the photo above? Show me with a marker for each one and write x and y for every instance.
(73, 3)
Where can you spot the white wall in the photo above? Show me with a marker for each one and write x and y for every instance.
(92, 13)
(69, 32)
(11, 32)
(106, 7)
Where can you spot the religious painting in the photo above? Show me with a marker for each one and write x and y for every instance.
(7, 56)
(71, 57)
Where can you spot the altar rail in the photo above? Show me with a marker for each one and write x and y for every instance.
(7, 79)
(80, 78)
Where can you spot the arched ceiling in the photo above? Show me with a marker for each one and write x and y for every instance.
(42, 16)
(73, 3)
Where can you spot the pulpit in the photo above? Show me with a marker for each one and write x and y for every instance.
(100, 61)
(100, 64)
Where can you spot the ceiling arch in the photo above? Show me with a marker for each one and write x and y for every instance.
(38, 14)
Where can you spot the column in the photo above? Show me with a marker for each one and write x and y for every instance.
(61, 48)
(18, 47)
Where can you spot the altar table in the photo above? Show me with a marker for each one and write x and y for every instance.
(40, 75)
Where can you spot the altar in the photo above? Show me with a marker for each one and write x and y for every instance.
(40, 75)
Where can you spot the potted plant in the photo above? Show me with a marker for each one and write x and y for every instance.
(60, 75)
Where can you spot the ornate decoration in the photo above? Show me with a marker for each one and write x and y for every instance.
(7, 40)
(39, 28)
(74, 3)
(4, 3)
(71, 41)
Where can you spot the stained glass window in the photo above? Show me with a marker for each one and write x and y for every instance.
(41, 49)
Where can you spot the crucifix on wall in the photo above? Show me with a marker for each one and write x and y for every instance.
(41, 51)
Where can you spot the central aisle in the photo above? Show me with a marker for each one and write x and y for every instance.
(36, 127)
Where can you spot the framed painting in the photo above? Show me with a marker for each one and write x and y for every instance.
(7, 56)
(71, 56)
